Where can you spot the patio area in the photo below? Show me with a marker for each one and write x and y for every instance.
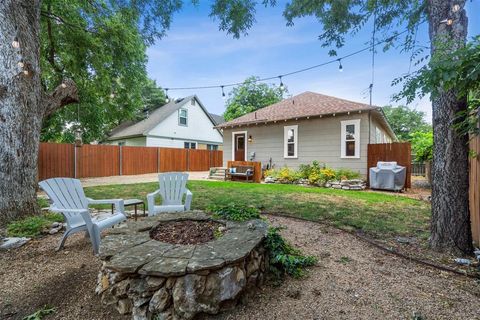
(352, 280)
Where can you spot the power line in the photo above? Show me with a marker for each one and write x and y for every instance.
(337, 60)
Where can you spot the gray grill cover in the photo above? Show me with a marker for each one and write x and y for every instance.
(387, 176)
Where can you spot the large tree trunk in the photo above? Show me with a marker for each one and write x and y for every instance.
(450, 227)
(23, 106)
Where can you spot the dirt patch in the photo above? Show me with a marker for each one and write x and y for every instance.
(186, 232)
(352, 280)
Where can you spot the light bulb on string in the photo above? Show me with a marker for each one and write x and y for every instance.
(223, 93)
(63, 85)
(15, 43)
(282, 87)
(20, 64)
(167, 99)
(448, 21)
(456, 7)
(340, 67)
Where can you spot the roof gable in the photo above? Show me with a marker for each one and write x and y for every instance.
(306, 104)
(143, 127)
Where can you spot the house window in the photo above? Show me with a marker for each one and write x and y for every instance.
(350, 139)
(121, 143)
(290, 147)
(182, 117)
(212, 146)
(190, 145)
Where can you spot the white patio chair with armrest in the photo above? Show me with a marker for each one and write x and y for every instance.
(69, 199)
(173, 187)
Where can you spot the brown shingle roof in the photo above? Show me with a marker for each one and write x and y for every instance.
(306, 104)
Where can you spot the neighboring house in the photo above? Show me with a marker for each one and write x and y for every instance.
(181, 123)
(304, 128)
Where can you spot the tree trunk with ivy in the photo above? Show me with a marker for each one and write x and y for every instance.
(23, 106)
(450, 226)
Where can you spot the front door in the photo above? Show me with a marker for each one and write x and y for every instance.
(239, 147)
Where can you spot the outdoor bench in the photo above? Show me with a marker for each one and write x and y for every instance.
(242, 172)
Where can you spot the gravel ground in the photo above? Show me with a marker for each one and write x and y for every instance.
(352, 281)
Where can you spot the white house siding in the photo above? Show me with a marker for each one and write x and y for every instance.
(199, 129)
(132, 142)
(318, 139)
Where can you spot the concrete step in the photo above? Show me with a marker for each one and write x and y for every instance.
(222, 178)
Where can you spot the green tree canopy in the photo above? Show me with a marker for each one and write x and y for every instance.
(251, 96)
(422, 145)
(404, 121)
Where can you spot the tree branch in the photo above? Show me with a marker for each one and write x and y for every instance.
(51, 51)
(66, 93)
(60, 20)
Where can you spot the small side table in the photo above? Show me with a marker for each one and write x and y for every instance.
(135, 203)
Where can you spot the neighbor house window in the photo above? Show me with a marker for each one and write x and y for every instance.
(290, 147)
(182, 117)
(190, 145)
(350, 140)
(212, 146)
(121, 143)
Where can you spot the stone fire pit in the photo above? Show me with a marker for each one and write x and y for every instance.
(150, 278)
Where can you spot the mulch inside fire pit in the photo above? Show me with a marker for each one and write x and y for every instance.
(186, 232)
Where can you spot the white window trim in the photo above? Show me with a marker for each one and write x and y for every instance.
(190, 142)
(233, 144)
(295, 141)
(186, 117)
(344, 125)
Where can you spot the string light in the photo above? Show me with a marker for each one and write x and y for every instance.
(282, 86)
(448, 21)
(63, 85)
(112, 95)
(15, 43)
(456, 7)
(20, 64)
(166, 94)
(223, 93)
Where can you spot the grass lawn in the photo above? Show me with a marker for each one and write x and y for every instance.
(381, 215)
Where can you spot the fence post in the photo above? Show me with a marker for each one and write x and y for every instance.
(120, 160)
(158, 160)
(75, 161)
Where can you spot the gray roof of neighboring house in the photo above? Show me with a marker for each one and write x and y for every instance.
(142, 127)
(218, 119)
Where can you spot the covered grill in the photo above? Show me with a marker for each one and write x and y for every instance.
(387, 176)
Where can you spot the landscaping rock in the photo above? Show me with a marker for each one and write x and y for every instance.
(13, 242)
(270, 180)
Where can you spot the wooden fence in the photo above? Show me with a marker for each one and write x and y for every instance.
(474, 193)
(66, 160)
(397, 151)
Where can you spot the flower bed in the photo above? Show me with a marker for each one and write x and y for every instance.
(316, 175)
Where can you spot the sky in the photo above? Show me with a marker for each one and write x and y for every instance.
(196, 53)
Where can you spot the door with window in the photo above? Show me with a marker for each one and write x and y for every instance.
(239, 140)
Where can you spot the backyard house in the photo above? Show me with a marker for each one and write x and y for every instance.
(304, 128)
(181, 123)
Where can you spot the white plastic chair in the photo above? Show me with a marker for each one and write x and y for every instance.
(70, 200)
(173, 187)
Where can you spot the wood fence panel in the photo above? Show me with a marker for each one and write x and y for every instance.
(139, 160)
(474, 194)
(257, 175)
(397, 151)
(56, 160)
(198, 160)
(98, 161)
(216, 159)
(172, 159)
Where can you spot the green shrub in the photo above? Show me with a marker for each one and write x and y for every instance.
(284, 258)
(234, 212)
(32, 226)
(271, 173)
(41, 313)
(287, 175)
(346, 174)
